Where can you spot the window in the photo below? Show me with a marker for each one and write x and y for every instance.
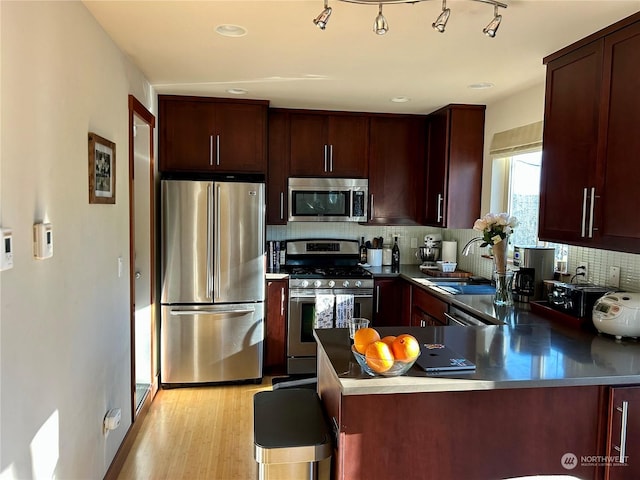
(524, 196)
(517, 153)
(524, 201)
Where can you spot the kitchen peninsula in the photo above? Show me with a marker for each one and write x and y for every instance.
(542, 400)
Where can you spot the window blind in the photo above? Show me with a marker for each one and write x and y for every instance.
(524, 139)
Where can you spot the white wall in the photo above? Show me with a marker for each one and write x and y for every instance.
(65, 337)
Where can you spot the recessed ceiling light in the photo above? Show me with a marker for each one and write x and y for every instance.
(227, 30)
(400, 99)
(237, 91)
(480, 85)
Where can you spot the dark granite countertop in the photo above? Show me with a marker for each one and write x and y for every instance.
(518, 356)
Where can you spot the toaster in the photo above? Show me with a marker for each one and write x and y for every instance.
(618, 313)
(575, 299)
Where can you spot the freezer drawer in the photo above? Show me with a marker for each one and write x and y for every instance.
(201, 344)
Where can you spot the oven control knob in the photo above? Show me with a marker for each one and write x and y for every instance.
(304, 283)
(317, 283)
(358, 283)
(345, 284)
(331, 284)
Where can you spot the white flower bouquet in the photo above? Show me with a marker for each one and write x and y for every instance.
(496, 228)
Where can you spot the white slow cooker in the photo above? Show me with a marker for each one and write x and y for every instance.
(618, 313)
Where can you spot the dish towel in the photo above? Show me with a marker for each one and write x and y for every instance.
(344, 310)
(324, 311)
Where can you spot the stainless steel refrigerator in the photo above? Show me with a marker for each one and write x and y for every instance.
(213, 281)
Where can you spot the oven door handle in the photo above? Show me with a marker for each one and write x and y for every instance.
(293, 295)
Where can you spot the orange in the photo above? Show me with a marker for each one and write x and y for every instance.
(379, 357)
(405, 347)
(364, 337)
(388, 339)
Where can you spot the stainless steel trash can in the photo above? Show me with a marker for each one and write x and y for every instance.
(291, 438)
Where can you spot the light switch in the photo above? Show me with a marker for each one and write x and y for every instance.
(42, 241)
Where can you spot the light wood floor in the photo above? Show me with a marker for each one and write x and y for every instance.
(197, 433)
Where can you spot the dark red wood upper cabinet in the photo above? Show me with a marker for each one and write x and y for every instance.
(619, 144)
(397, 155)
(202, 134)
(278, 169)
(591, 144)
(454, 166)
(569, 154)
(329, 145)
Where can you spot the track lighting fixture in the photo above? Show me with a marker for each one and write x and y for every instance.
(441, 21)
(321, 20)
(381, 27)
(491, 29)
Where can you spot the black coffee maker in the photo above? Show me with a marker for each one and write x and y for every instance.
(524, 284)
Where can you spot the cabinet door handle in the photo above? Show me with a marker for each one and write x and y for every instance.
(217, 150)
(325, 157)
(371, 206)
(591, 208)
(440, 199)
(624, 409)
(583, 231)
(210, 149)
(377, 298)
(331, 158)
(281, 205)
(282, 302)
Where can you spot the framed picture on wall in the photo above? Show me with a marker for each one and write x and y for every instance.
(102, 170)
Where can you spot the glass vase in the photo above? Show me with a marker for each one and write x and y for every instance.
(503, 281)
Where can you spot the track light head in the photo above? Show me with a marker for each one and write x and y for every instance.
(443, 18)
(380, 25)
(323, 18)
(491, 29)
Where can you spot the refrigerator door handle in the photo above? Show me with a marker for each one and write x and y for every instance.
(214, 312)
(216, 257)
(209, 243)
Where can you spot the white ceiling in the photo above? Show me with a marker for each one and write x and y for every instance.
(284, 58)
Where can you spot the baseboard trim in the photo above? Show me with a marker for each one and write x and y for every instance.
(127, 443)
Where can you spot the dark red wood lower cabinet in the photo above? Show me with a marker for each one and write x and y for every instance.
(481, 435)
(275, 356)
(623, 434)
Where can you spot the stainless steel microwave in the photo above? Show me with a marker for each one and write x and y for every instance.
(328, 199)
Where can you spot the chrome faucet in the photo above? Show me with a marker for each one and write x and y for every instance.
(467, 247)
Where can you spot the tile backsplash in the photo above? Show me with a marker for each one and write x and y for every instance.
(599, 260)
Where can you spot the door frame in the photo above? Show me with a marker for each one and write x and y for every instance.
(137, 108)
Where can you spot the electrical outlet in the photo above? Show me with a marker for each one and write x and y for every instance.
(614, 277)
(583, 267)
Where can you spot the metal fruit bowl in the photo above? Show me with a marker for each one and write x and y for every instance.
(398, 368)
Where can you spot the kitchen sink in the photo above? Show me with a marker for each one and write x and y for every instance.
(465, 288)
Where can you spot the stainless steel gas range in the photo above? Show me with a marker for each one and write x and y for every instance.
(321, 267)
